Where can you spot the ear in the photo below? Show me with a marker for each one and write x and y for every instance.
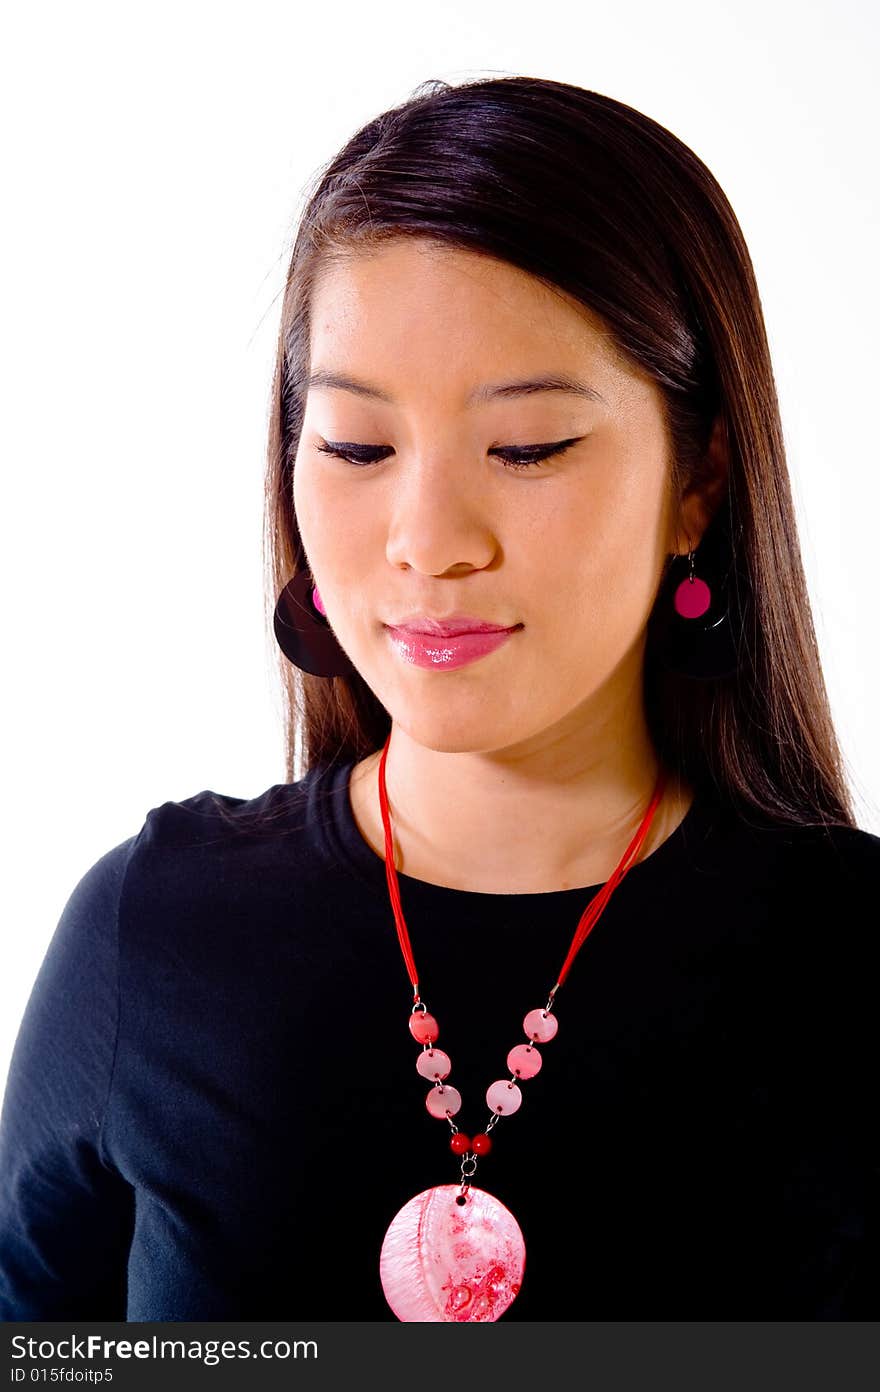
(701, 501)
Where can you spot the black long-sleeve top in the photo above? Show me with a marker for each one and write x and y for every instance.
(213, 1110)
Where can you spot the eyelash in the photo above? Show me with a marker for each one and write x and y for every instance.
(514, 459)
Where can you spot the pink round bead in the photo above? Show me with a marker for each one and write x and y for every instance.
(433, 1063)
(423, 1027)
(524, 1060)
(540, 1025)
(692, 598)
(504, 1097)
(443, 1099)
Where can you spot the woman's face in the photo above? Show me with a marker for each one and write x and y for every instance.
(572, 548)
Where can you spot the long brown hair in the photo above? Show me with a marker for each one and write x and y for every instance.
(598, 200)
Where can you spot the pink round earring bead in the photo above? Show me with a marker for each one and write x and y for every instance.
(693, 596)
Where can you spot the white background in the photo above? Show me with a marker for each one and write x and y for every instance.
(154, 161)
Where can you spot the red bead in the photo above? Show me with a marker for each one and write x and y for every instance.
(423, 1027)
(524, 1060)
(481, 1144)
(460, 1143)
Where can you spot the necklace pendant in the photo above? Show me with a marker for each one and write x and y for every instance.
(447, 1260)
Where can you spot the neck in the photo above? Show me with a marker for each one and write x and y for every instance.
(553, 812)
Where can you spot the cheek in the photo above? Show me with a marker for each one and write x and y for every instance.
(305, 503)
(597, 561)
(341, 552)
(321, 515)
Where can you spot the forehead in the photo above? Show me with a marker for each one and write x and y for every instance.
(411, 306)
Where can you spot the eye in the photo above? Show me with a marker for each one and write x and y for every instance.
(513, 457)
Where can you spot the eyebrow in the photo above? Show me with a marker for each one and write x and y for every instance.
(490, 391)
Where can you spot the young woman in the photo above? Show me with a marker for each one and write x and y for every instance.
(541, 989)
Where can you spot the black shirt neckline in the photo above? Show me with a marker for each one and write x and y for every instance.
(330, 805)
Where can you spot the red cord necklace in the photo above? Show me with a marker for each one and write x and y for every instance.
(455, 1252)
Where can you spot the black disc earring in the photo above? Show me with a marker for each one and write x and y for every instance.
(304, 635)
(702, 647)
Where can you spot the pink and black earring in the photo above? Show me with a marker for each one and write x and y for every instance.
(303, 631)
(693, 626)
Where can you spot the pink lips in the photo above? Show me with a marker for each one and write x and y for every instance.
(450, 651)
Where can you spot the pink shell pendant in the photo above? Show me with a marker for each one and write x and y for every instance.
(446, 1261)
